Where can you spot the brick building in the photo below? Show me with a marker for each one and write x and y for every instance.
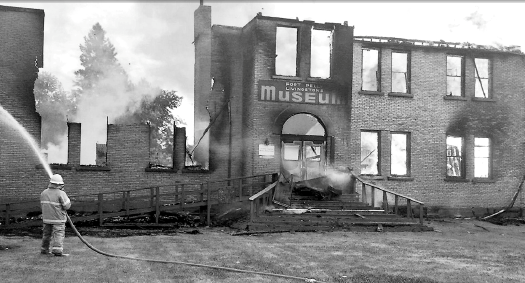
(126, 164)
(440, 122)
(21, 54)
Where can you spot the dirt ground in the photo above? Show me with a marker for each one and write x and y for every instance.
(457, 250)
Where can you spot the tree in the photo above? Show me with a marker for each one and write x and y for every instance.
(104, 90)
(99, 62)
(54, 105)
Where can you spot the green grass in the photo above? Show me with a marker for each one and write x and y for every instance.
(458, 252)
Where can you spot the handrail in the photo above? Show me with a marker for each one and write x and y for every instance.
(262, 198)
(264, 191)
(177, 194)
(385, 198)
(146, 188)
(383, 189)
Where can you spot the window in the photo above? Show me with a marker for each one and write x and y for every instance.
(370, 70)
(400, 75)
(313, 153)
(400, 154)
(291, 152)
(482, 157)
(370, 141)
(481, 67)
(455, 75)
(321, 51)
(286, 51)
(455, 165)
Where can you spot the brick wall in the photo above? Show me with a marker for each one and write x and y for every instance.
(21, 50)
(429, 117)
(425, 113)
(21, 177)
(267, 118)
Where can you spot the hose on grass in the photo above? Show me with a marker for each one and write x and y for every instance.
(185, 263)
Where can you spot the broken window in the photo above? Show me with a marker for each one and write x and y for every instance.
(313, 153)
(321, 51)
(482, 157)
(454, 75)
(291, 152)
(455, 157)
(370, 141)
(400, 75)
(370, 70)
(286, 51)
(93, 134)
(481, 67)
(400, 154)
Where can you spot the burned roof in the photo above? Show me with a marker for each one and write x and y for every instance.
(514, 49)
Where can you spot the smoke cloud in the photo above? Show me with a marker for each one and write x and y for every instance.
(112, 97)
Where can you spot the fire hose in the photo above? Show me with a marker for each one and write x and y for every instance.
(184, 263)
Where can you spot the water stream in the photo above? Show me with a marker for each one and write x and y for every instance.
(12, 122)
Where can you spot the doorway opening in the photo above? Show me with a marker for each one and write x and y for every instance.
(303, 147)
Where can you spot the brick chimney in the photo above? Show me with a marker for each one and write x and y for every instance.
(202, 81)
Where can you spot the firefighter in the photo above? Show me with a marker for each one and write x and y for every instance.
(54, 202)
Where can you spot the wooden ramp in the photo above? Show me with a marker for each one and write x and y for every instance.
(200, 197)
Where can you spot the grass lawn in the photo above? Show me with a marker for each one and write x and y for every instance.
(458, 251)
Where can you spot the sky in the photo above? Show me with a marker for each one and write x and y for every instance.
(154, 39)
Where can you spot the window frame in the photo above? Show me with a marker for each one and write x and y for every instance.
(462, 75)
(331, 46)
(378, 72)
(408, 153)
(408, 79)
(378, 133)
(477, 79)
(463, 166)
(490, 158)
(297, 51)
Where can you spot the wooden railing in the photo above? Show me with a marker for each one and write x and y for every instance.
(264, 198)
(151, 199)
(369, 189)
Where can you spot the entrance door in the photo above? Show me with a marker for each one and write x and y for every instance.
(304, 159)
(303, 148)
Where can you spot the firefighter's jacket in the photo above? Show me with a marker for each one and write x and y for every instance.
(54, 204)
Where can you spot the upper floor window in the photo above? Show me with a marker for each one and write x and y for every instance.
(455, 75)
(482, 158)
(455, 153)
(400, 154)
(370, 141)
(370, 70)
(481, 66)
(400, 72)
(286, 51)
(321, 52)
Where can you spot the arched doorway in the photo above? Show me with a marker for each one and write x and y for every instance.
(303, 147)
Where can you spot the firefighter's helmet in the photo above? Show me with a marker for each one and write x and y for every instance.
(56, 179)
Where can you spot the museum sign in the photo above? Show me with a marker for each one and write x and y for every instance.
(300, 92)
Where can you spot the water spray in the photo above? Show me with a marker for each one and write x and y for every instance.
(11, 121)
